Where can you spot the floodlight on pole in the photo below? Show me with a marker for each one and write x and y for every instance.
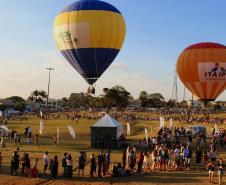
(49, 69)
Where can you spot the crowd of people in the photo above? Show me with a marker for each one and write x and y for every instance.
(170, 149)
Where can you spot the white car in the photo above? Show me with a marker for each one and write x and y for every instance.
(195, 130)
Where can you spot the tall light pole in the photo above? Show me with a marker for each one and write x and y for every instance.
(49, 69)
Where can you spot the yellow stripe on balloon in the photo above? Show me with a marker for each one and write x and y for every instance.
(107, 33)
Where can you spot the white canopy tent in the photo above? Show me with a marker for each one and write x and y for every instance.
(106, 127)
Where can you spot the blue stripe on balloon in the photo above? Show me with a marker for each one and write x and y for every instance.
(92, 62)
(90, 5)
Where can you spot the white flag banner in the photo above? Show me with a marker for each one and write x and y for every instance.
(58, 135)
(41, 127)
(1, 114)
(40, 114)
(171, 123)
(216, 129)
(128, 129)
(162, 122)
(146, 135)
(72, 132)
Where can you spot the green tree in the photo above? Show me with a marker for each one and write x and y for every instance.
(157, 96)
(143, 97)
(19, 103)
(118, 96)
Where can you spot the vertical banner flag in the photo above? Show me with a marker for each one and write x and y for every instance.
(41, 127)
(58, 135)
(72, 132)
(128, 129)
(171, 123)
(151, 131)
(216, 130)
(40, 114)
(162, 122)
(146, 135)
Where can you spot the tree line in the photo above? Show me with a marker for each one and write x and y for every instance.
(116, 96)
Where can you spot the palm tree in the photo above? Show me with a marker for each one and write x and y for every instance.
(38, 96)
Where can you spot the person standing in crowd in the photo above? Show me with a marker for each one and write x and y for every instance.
(198, 157)
(187, 157)
(220, 168)
(92, 165)
(15, 161)
(69, 166)
(140, 161)
(108, 161)
(81, 163)
(104, 167)
(64, 165)
(213, 155)
(189, 139)
(23, 163)
(45, 162)
(37, 140)
(29, 132)
(100, 163)
(34, 169)
(55, 167)
(206, 157)
(15, 138)
(51, 166)
(132, 161)
(147, 162)
(210, 167)
(27, 165)
(124, 159)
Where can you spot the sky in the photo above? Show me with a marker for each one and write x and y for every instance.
(157, 32)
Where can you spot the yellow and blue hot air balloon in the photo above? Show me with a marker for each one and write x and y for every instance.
(89, 34)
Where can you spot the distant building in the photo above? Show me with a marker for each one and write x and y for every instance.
(53, 105)
(194, 103)
(135, 104)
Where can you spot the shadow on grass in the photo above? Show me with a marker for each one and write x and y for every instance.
(164, 178)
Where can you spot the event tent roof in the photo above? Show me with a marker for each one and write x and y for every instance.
(107, 121)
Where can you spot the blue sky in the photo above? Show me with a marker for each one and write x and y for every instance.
(157, 31)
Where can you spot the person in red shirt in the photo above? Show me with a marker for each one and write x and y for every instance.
(140, 162)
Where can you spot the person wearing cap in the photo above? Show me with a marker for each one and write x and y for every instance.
(45, 162)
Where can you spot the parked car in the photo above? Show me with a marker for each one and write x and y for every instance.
(196, 130)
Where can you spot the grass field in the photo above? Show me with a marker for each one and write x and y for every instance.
(82, 142)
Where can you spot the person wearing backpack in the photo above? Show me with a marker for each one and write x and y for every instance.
(81, 163)
(64, 165)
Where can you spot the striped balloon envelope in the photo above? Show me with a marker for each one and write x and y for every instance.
(89, 34)
(202, 69)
